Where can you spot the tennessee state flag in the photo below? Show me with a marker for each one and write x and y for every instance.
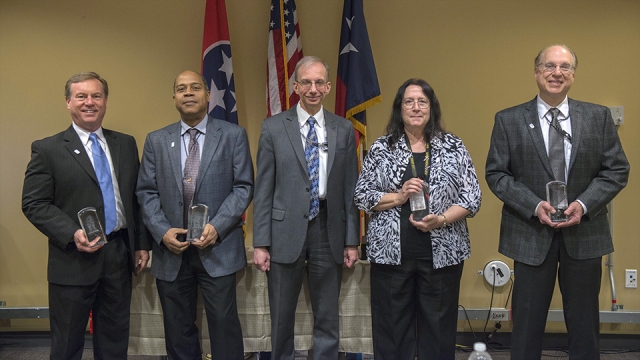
(216, 63)
(357, 87)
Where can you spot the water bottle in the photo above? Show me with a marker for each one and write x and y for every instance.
(420, 202)
(479, 352)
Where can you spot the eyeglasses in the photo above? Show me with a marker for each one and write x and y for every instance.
(551, 67)
(306, 84)
(422, 104)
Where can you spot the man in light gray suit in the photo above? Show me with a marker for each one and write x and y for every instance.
(302, 215)
(519, 165)
(215, 155)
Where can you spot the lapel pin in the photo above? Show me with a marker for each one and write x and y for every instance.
(173, 144)
(531, 126)
(76, 151)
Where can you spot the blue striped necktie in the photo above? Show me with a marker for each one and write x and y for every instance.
(103, 172)
(312, 154)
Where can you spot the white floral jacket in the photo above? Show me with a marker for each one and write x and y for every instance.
(452, 181)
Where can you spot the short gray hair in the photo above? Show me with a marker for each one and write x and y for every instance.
(308, 61)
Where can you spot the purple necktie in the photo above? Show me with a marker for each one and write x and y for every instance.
(191, 167)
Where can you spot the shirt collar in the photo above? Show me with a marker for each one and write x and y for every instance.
(84, 134)
(202, 126)
(303, 116)
(543, 108)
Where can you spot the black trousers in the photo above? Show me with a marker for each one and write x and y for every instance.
(109, 299)
(414, 307)
(179, 305)
(325, 279)
(579, 282)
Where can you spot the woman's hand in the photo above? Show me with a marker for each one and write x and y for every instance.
(410, 187)
(428, 222)
(391, 200)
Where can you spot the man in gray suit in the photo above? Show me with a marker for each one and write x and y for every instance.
(519, 165)
(213, 154)
(303, 215)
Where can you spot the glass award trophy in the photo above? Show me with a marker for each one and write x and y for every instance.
(557, 197)
(198, 218)
(420, 202)
(91, 225)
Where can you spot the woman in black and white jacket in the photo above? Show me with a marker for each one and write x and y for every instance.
(416, 266)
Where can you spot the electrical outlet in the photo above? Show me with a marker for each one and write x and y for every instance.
(617, 112)
(499, 314)
(631, 278)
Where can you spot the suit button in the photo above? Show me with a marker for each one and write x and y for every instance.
(307, 189)
(180, 203)
(306, 216)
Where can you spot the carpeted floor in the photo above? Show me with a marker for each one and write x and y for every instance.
(43, 354)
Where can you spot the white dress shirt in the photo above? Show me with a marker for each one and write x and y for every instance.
(565, 123)
(185, 139)
(321, 132)
(86, 141)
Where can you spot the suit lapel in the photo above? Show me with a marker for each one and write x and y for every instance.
(211, 143)
(114, 149)
(531, 118)
(78, 152)
(292, 127)
(173, 142)
(577, 123)
(332, 138)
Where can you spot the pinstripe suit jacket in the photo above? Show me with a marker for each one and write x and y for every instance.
(60, 181)
(224, 184)
(518, 169)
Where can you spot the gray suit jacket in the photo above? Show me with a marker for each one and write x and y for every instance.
(224, 184)
(518, 170)
(281, 203)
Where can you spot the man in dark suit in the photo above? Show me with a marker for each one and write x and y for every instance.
(60, 181)
(297, 219)
(520, 163)
(218, 152)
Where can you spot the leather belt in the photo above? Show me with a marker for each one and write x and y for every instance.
(117, 234)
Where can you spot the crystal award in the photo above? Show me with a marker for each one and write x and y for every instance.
(198, 218)
(91, 225)
(420, 202)
(557, 197)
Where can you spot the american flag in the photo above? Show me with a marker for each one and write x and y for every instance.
(216, 63)
(285, 50)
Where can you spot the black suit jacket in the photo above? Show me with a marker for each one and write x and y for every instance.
(59, 182)
(518, 170)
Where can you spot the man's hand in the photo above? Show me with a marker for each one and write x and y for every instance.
(170, 240)
(209, 237)
(350, 255)
(83, 244)
(544, 208)
(141, 259)
(262, 259)
(574, 214)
